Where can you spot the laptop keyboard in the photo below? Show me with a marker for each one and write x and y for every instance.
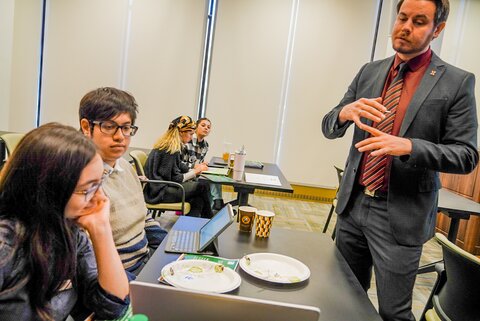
(182, 241)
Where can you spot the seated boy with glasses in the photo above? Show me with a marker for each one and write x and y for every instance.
(107, 116)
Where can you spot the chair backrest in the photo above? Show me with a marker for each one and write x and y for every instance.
(458, 298)
(339, 174)
(139, 158)
(11, 141)
(334, 203)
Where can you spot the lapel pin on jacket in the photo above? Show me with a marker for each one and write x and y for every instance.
(433, 72)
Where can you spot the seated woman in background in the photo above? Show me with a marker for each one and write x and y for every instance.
(164, 163)
(194, 153)
(50, 192)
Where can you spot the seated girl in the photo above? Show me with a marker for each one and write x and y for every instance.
(195, 152)
(164, 163)
(50, 197)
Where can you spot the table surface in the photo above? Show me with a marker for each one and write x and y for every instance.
(268, 169)
(332, 286)
(450, 201)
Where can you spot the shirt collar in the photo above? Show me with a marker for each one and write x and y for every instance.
(415, 63)
(108, 170)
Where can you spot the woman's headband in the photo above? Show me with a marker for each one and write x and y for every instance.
(183, 123)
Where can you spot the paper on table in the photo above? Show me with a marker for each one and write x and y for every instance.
(262, 179)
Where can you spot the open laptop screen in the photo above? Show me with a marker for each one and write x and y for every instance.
(181, 305)
(215, 226)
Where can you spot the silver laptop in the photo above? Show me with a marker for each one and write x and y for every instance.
(162, 302)
(182, 241)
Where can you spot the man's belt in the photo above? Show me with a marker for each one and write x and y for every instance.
(375, 194)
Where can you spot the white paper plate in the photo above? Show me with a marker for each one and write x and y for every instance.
(275, 268)
(201, 275)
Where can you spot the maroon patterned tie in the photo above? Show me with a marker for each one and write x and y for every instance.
(374, 173)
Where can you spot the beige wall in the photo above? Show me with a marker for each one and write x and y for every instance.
(164, 62)
(150, 48)
(322, 69)
(82, 52)
(272, 82)
(25, 57)
(460, 45)
(246, 75)
(6, 34)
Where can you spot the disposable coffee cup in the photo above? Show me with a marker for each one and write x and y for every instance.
(263, 223)
(247, 216)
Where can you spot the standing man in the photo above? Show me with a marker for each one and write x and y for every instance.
(107, 116)
(415, 116)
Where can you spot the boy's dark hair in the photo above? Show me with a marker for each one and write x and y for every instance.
(106, 103)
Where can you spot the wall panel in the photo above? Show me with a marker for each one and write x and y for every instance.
(6, 43)
(246, 75)
(164, 62)
(25, 58)
(149, 48)
(333, 40)
(460, 46)
(83, 51)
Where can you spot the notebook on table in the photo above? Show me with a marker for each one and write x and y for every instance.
(223, 171)
(162, 302)
(183, 241)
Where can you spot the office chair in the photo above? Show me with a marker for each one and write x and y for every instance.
(334, 202)
(11, 141)
(455, 296)
(139, 158)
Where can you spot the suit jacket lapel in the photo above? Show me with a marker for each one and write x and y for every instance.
(429, 79)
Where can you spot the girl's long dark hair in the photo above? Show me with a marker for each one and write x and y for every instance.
(35, 185)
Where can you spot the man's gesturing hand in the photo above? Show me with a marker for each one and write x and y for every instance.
(384, 144)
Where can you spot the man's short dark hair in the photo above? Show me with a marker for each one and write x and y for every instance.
(106, 103)
(442, 9)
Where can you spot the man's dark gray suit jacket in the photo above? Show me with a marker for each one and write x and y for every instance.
(441, 122)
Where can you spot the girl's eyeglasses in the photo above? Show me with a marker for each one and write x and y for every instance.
(89, 192)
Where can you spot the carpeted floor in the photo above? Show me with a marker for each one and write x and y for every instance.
(311, 217)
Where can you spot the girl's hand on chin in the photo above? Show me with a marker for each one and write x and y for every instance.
(95, 216)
